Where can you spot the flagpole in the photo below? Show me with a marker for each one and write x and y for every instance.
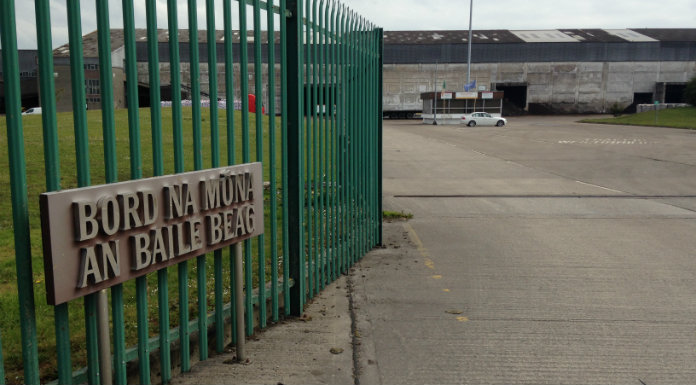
(435, 96)
(468, 66)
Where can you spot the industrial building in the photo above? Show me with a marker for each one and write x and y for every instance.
(546, 71)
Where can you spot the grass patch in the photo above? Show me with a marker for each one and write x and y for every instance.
(396, 215)
(684, 117)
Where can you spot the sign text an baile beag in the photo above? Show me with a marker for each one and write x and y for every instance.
(97, 237)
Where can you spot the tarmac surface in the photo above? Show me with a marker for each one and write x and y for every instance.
(543, 252)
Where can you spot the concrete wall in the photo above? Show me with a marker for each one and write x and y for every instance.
(403, 83)
(64, 90)
(588, 87)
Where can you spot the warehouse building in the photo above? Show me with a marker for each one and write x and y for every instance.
(546, 71)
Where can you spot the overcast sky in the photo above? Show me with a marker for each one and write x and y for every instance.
(413, 15)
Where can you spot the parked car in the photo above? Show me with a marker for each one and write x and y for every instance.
(32, 111)
(483, 119)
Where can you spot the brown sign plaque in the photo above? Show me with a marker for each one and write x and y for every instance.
(100, 236)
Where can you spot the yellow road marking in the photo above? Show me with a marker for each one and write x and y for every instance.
(462, 319)
(429, 263)
(436, 276)
(419, 245)
(446, 290)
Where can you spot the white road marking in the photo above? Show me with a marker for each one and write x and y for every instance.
(602, 187)
(612, 141)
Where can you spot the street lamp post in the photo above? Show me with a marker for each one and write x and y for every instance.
(468, 66)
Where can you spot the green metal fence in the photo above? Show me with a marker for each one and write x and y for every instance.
(321, 150)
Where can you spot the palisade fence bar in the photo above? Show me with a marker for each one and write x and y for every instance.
(316, 129)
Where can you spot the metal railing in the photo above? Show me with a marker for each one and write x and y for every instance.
(322, 164)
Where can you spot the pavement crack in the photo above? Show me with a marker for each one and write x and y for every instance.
(353, 329)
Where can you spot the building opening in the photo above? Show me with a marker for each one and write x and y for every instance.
(143, 96)
(639, 98)
(674, 93)
(514, 99)
(166, 93)
(29, 101)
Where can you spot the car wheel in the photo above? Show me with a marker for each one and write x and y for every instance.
(500, 123)
(472, 123)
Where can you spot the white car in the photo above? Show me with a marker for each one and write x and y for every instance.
(32, 111)
(483, 119)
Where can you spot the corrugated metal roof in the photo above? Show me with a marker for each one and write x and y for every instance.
(450, 37)
(545, 36)
(629, 35)
(89, 41)
(592, 35)
(562, 35)
(669, 34)
(496, 36)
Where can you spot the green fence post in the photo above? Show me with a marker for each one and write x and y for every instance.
(320, 150)
(334, 145)
(177, 133)
(142, 319)
(308, 127)
(135, 168)
(284, 152)
(294, 159)
(372, 133)
(380, 107)
(136, 173)
(162, 274)
(258, 90)
(132, 89)
(18, 188)
(198, 164)
(175, 80)
(316, 252)
(360, 136)
(244, 87)
(364, 139)
(229, 95)
(270, 22)
(348, 205)
(111, 173)
(52, 167)
(2, 366)
(194, 66)
(325, 100)
(215, 162)
(83, 170)
(154, 79)
(341, 137)
(352, 140)
(195, 85)
(328, 113)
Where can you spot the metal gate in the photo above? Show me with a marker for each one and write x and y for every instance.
(319, 141)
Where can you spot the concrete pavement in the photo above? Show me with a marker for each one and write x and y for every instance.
(545, 252)
(315, 349)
